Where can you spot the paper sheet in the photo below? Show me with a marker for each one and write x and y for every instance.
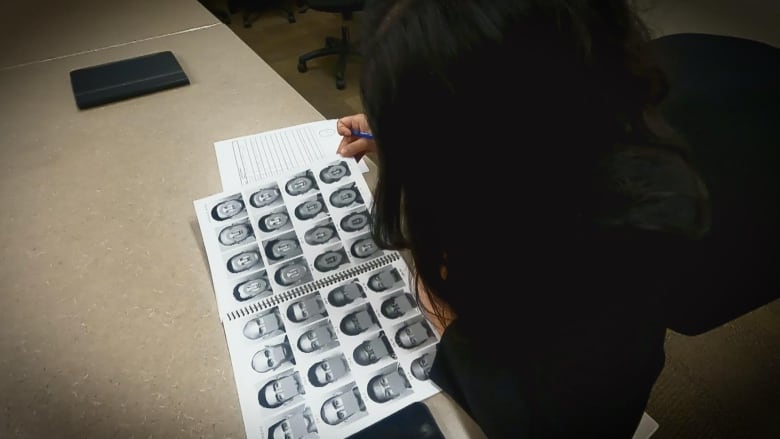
(324, 335)
(249, 159)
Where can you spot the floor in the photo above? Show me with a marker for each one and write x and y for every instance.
(723, 384)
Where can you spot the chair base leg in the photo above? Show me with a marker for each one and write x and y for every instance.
(333, 46)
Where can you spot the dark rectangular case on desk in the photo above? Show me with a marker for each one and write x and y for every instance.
(126, 78)
(414, 421)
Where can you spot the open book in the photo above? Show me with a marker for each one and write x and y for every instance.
(324, 333)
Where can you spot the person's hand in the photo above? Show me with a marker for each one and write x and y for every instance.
(354, 146)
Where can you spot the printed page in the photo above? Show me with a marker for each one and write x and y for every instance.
(286, 231)
(325, 337)
(249, 159)
(333, 361)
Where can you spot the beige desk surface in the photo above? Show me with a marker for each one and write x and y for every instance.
(109, 324)
(34, 30)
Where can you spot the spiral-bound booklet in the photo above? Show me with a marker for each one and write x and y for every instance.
(324, 331)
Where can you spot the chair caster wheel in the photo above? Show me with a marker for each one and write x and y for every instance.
(340, 84)
(302, 67)
(291, 19)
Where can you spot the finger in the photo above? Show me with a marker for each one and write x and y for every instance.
(352, 148)
(342, 128)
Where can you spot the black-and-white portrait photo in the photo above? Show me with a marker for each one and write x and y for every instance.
(356, 221)
(328, 371)
(421, 366)
(296, 424)
(293, 272)
(284, 389)
(313, 208)
(385, 279)
(226, 209)
(278, 220)
(373, 350)
(388, 385)
(335, 172)
(266, 197)
(412, 335)
(319, 338)
(282, 247)
(301, 184)
(235, 234)
(322, 233)
(245, 261)
(398, 305)
(307, 309)
(271, 357)
(346, 294)
(331, 259)
(346, 196)
(359, 321)
(256, 286)
(364, 248)
(264, 325)
(343, 407)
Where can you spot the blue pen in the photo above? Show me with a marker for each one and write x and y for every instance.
(362, 134)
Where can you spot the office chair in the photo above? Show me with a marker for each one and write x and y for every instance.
(248, 10)
(724, 99)
(343, 47)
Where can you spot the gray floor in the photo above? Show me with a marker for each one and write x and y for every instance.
(723, 384)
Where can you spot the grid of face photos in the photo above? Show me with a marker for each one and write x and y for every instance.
(287, 232)
(333, 359)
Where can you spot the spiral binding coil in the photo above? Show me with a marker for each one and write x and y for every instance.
(315, 285)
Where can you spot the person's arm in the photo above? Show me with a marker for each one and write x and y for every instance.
(351, 145)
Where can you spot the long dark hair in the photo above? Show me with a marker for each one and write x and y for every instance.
(497, 121)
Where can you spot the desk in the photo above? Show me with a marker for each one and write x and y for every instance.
(35, 30)
(109, 323)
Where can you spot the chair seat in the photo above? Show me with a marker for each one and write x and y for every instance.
(335, 6)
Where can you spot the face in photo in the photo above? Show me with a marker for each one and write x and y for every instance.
(328, 370)
(280, 390)
(387, 386)
(330, 260)
(340, 408)
(235, 234)
(245, 261)
(421, 366)
(346, 196)
(364, 248)
(227, 209)
(297, 425)
(398, 305)
(321, 234)
(272, 357)
(301, 184)
(373, 350)
(294, 272)
(257, 286)
(307, 309)
(319, 338)
(266, 197)
(335, 172)
(385, 280)
(276, 221)
(310, 209)
(345, 294)
(413, 335)
(266, 325)
(355, 221)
